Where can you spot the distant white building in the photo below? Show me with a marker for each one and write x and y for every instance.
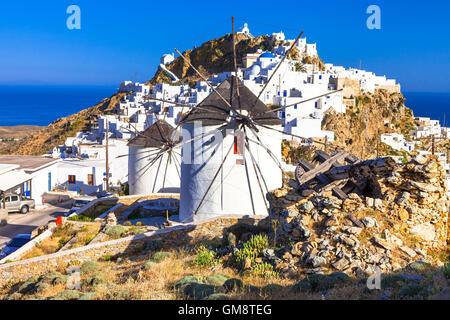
(167, 59)
(244, 30)
(397, 141)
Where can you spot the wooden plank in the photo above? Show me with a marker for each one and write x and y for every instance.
(351, 159)
(325, 188)
(306, 165)
(322, 156)
(322, 168)
(323, 179)
(339, 193)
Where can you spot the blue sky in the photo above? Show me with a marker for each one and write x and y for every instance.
(119, 39)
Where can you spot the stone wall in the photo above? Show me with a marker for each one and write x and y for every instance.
(404, 219)
(177, 235)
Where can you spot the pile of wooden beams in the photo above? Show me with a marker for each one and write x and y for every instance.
(342, 173)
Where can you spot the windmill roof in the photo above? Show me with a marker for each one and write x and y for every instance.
(214, 111)
(156, 136)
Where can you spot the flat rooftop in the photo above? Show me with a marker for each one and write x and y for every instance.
(26, 162)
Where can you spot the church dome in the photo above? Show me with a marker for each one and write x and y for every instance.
(268, 55)
(254, 70)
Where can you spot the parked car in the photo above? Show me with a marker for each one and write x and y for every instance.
(16, 203)
(14, 244)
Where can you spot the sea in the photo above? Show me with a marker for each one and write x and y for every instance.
(41, 105)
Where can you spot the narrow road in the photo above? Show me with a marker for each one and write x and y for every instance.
(26, 223)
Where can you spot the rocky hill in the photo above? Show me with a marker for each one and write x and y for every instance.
(216, 56)
(359, 129)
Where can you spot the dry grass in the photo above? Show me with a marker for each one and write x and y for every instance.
(85, 235)
(61, 235)
(128, 280)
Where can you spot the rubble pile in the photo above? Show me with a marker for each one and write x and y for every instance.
(404, 221)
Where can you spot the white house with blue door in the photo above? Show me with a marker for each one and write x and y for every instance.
(29, 176)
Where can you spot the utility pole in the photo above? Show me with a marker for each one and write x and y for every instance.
(107, 155)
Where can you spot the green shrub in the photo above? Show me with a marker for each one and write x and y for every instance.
(217, 279)
(107, 257)
(264, 270)
(68, 295)
(80, 218)
(115, 231)
(160, 256)
(148, 265)
(233, 284)
(270, 289)
(205, 257)
(258, 243)
(252, 248)
(90, 266)
(241, 255)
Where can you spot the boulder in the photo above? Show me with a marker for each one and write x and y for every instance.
(425, 231)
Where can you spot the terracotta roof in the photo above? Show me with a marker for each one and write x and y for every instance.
(214, 111)
(156, 136)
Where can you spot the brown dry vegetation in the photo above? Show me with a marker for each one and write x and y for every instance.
(125, 278)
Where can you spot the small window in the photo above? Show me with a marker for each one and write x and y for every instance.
(71, 179)
(15, 198)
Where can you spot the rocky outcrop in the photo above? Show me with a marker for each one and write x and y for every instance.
(407, 222)
(362, 125)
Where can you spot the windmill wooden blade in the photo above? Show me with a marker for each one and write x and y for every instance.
(221, 129)
(158, 135)
(169, 157)
(235, 66)
(147, 167)
(157, 174)
(214, 179)
(176, 164)
(207, 82)
(303, 138)
(215, 102)
(256, 173)
(276, 69)
(260, 143)
(249, 185)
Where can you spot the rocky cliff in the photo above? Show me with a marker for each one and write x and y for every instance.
(372, 115)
